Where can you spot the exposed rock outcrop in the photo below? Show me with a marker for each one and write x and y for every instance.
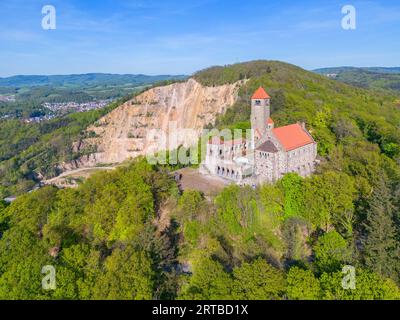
(123, 133)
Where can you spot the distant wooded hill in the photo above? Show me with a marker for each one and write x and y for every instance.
(367, 69)
(372, 77)
(90, 79)
(30, 92)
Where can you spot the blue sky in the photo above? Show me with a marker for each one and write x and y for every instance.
(176, 36)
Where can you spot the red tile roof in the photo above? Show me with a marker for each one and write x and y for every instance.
(260, 94)
(292, 136)
(270, 121)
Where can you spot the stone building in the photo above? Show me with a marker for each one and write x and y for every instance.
(268, 155)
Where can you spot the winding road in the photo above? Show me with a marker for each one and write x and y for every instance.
(73, 172)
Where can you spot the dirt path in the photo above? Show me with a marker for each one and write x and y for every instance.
(85, 172)
(192, 179)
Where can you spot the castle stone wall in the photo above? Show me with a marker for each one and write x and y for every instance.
(267, 163)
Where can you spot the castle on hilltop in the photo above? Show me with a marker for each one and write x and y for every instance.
(268, 155)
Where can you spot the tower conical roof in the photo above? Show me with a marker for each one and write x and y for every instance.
(260, 94)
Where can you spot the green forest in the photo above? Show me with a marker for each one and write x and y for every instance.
(132, 234)
(29, 151)
(373, 78)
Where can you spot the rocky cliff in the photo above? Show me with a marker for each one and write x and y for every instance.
(123, 133)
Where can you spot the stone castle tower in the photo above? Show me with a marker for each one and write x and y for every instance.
(271, 153)
(260, 114)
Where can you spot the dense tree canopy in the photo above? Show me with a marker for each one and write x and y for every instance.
(132, 234)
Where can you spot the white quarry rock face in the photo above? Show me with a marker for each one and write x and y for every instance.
(123, 133)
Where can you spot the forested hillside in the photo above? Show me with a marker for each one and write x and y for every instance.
(131, 234)
(30, 92)
(373, 78)
(30, 151)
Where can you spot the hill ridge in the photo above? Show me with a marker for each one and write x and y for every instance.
(83, 79)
